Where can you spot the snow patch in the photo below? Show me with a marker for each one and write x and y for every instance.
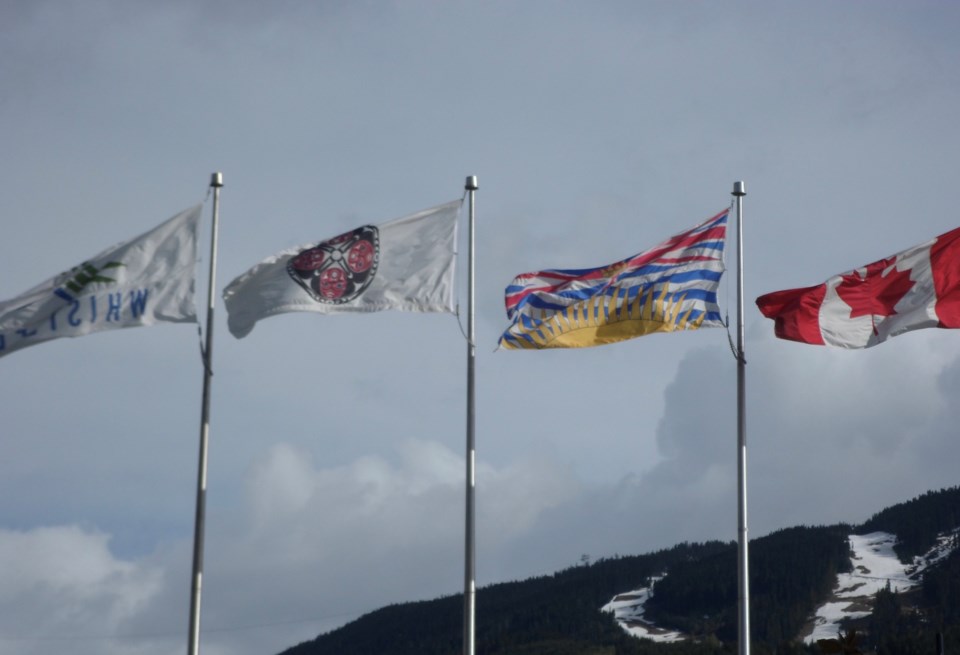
(628, 609)
(875, 565)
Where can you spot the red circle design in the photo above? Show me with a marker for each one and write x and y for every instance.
(309, 260)
(338, 270)
(333, 283)
(360, 257)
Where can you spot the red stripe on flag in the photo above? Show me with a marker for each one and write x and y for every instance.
(685, 240)
(945, 263)
(796, 313)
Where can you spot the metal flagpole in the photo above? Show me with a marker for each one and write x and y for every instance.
(469, 583)
(742, 541)
(193, 645)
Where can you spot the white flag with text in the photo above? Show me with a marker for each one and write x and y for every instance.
(140, 282)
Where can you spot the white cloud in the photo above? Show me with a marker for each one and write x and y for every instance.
(62, 585)
(310, 544)
(347, 539)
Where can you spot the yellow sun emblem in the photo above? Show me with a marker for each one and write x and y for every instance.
(604, 319)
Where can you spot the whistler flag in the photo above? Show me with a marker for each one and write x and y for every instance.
(143, 281)
(670, 287)
(406, 264)
(917, 288)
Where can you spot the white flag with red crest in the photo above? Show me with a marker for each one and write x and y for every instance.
(407, 264)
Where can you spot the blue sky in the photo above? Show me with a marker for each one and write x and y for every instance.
(596, 130)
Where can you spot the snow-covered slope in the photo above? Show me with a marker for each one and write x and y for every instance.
(627, 608)
(875, 565)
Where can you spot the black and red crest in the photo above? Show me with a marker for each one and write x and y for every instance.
(338, 270)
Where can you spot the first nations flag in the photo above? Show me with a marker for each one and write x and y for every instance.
(407, 264)
(913, 289)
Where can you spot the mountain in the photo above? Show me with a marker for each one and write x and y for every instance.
(895, 580)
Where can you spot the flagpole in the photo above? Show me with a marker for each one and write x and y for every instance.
(193, 644)
(743, 609)
(469, 584)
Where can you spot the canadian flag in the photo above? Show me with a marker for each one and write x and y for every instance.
(917, 288)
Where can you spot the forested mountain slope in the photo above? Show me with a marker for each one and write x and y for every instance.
(792, 572)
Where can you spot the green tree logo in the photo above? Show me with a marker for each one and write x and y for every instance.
(79, 277)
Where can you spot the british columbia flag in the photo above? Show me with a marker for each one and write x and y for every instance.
(670, 287)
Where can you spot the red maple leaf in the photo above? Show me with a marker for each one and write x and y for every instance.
(874, 290)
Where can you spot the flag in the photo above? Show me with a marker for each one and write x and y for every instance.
(143, 281)
(670, 287)
(916, 288)
(406, 264)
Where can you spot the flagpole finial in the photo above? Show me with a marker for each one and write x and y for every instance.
(471, 184)
(216, 179)
(739, 189)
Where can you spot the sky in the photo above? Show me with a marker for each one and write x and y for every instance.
(336, 471)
